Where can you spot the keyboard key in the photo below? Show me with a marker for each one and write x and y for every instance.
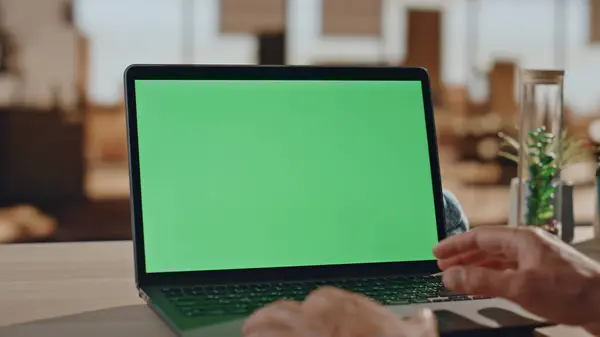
(245, 298)
(236, 311)
(481, 297)
(441, 299)
(418, 300)
(213, 312)
(186, 302)
(447, 292)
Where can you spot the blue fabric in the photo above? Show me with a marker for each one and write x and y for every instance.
(456, 221)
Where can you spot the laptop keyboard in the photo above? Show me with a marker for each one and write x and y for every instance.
(242, 299)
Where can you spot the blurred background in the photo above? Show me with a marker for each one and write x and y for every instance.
(63, 153)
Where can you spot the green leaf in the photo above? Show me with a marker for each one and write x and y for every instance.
(540, 142)
(509, 156)
(509, 140)
(546, 214)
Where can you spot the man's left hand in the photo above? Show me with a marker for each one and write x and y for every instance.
(331, 312)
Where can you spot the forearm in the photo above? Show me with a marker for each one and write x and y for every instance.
(594, 326)
(594, 329)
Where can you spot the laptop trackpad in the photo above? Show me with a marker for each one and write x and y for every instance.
(451, 321)
(477, 315)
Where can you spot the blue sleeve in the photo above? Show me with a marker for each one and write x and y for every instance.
(456, 221)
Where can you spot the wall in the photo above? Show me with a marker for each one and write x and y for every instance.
(256, 16)
(527, 36)
(509, 29)
(118, 39)
(351, 17)
(46, 54)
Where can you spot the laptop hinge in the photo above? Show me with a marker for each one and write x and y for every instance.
(143, 295)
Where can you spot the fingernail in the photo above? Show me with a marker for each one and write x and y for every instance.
(425, 314)
(422, 323)
(429, 320)
(454, 277)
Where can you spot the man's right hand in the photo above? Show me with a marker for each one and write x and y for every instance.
(529, 267)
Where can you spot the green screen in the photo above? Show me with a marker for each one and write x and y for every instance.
(254, 174)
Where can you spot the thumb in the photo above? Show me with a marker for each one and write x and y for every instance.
(421, 324)
(428, 323)
(473, 280)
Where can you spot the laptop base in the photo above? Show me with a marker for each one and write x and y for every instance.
(459, 318)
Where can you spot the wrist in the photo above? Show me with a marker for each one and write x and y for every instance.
(593, 329)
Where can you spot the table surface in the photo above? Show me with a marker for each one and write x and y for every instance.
(74, 289)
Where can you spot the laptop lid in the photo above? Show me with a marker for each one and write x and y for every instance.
(249, 173)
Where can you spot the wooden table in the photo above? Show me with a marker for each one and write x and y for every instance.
(87, 289)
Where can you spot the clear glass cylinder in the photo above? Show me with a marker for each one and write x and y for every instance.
(540, 149)
(597, 215)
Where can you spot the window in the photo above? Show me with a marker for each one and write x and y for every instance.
(7, 49)
(271, 48)
(594, 21)
(68, 12)
(252, 17)
(352, 17)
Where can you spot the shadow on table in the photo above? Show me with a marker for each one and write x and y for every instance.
(127, 321)
(138, 320)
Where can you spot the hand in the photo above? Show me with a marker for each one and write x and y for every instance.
(330, 312)
(527, 266)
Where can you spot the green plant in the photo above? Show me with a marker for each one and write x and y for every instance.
(543, 165)
(542, 168)
(574, 149)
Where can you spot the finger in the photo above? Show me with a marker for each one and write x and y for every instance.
(324, 306)
(421, 324)
(479, 281)
(494, 240)
(276, 332)
(276, 316)
(329, 303)
(470, 257)
(343, 313)
(428, 323)
(474, 257)
(498, 264)
(326, 299)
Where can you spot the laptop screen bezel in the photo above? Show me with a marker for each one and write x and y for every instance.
(286, 73)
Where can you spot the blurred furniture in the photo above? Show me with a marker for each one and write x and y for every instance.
(24, 221)
(76, 289)
(41, 158)
(594, 22)
(42, 164)
(88, 220)
(499, 113)
(424, 46)
(271, 48)
(105, 135)
(502, 79)
(93, 220)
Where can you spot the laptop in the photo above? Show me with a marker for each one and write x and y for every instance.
(251, 184)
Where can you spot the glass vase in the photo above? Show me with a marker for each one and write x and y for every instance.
(597, 215)
(540, 149)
